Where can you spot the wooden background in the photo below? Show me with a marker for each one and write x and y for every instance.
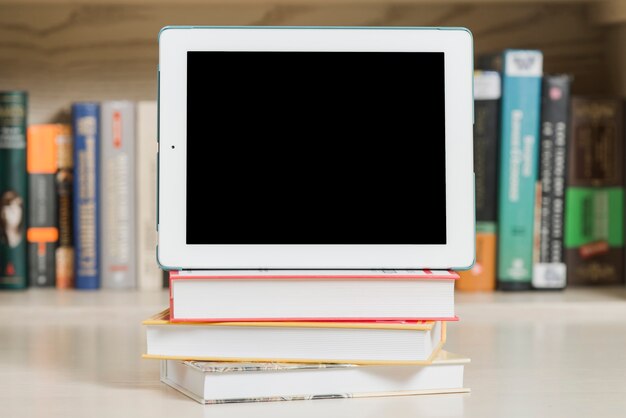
(67, 52)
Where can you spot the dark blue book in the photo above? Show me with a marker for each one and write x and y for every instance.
(86, 132)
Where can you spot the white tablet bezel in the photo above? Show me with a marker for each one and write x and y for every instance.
(455, 43)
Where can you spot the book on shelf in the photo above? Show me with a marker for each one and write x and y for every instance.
(86, 138)
(42, 233)
(487, 92)
(218, 382)
(64, 255)
(325, 295)
(117, 194)
(165, 279)
(13, 190)
(373, 342)
(149, 275)
(594, 214)
(549, 269)
(521, 72)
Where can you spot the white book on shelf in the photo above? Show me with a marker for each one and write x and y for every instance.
(148, 273)
(117, 188)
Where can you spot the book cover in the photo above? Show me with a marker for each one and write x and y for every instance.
(164, 318)
(519, 146)
(117, 189)
(487, 91)
(64, 256)
(86, 137)
(594, 214)
(388, 274)
(13, 190)
(549, 269)
(42, 233)
(149, 274)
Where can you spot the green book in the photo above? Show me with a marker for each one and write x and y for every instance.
(13, 190)
(594, 197)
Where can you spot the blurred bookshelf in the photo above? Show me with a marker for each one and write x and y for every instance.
(71, 50)
(65, 51)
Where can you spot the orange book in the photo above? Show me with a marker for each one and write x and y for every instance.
(42, 233)
(64, 187)
(45, 159)
(482, 276)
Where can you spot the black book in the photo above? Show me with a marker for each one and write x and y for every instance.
(166, 279)
(549, 269)
(487, 91)
(486, 111)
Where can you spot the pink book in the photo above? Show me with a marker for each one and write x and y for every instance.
(311, 296)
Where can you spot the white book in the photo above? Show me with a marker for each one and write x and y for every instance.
(307, 342)
(148, 273)
(215, 382)
(299, 295)
(117, 188)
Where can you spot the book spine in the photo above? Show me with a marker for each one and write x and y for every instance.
(64, 256)
(521, 100)
(594, 199)
(85, 128)
(148, 272)
(165, 277)
(117, 185)
(549, 269)
(482, 276)
(13, 190)
(42, 233)
(487, 91)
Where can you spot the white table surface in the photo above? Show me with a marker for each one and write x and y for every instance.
(77, 354)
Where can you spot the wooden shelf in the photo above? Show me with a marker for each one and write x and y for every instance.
(62, 51)
(310, 2)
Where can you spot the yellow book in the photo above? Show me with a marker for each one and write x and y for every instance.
(376, 342)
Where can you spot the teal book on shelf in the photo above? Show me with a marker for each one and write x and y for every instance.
(13, 190)
(519, 149)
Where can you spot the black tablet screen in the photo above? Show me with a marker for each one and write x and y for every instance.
(315, 148)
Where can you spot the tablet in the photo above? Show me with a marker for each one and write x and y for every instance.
(315, 148)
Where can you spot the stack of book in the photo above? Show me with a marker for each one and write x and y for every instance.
(241, 336)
